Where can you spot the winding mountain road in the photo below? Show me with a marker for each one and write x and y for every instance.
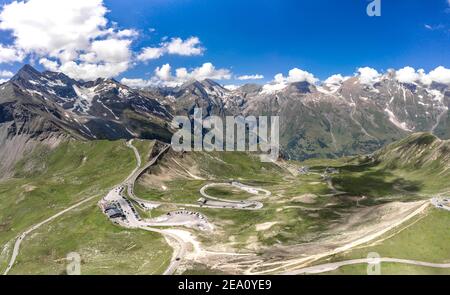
(234, 204)
(134, 221)
(335, 265)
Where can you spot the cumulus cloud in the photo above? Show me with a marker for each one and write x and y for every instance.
(6, 74)
(368, 76)
(127, 33)
(250, 77)
(410, 75)
(135, 83)
(440, 75)
(189, 47)
(335, 80)
(176, 46)
(61, 26)
(92, 71)
(295, 75)
(109, 50)
(49, 64)
(74, 37)
(164, 76)
(231, 87)
(150, 53)
(10, 54)
(407, 75)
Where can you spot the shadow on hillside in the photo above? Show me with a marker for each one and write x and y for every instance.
(374, 183)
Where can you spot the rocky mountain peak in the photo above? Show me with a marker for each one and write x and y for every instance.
(27, 72)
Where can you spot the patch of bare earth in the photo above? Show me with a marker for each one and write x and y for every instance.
(360, 226)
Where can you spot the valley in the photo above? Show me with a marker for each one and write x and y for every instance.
(301, 220)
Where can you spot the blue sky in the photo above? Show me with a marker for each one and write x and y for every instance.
(269, 37)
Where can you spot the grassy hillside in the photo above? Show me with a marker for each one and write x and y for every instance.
(103, 247)
(426, 238)
(50, 180)
(422, 151)
(415, 167)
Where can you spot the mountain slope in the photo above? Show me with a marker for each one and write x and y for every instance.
(326, 120)
(101, 109)
(422, 152)
(46, 107)
(413, 168)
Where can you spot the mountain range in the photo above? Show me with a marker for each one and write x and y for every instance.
(326, 120)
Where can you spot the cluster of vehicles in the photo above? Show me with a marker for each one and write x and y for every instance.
(185, 212)
(132, 208)
(441, 203)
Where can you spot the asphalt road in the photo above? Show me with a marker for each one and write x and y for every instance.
(232, 204)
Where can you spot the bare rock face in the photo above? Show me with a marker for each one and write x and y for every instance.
(101, 109)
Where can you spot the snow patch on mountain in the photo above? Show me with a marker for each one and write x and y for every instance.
(86, 96)
(395, 121)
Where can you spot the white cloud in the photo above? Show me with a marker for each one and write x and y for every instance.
(49, 64)
(189, 47)
(440, 75)
(250, 77)
(127, 33)
(273, 87)
(368, 76)
(335, 80)
(176, 46)
(109, 51)
(10, 54)
(164, 76)
(6, 74)
(150, 53)
(163, 73)
(295, 75)
(410, 75)
(423, 77)
(91, 71)
(434, 27)
(231, 87)
(206, 71)
(135, 83)
(407, 75)
(74, 37)
(51, 27)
